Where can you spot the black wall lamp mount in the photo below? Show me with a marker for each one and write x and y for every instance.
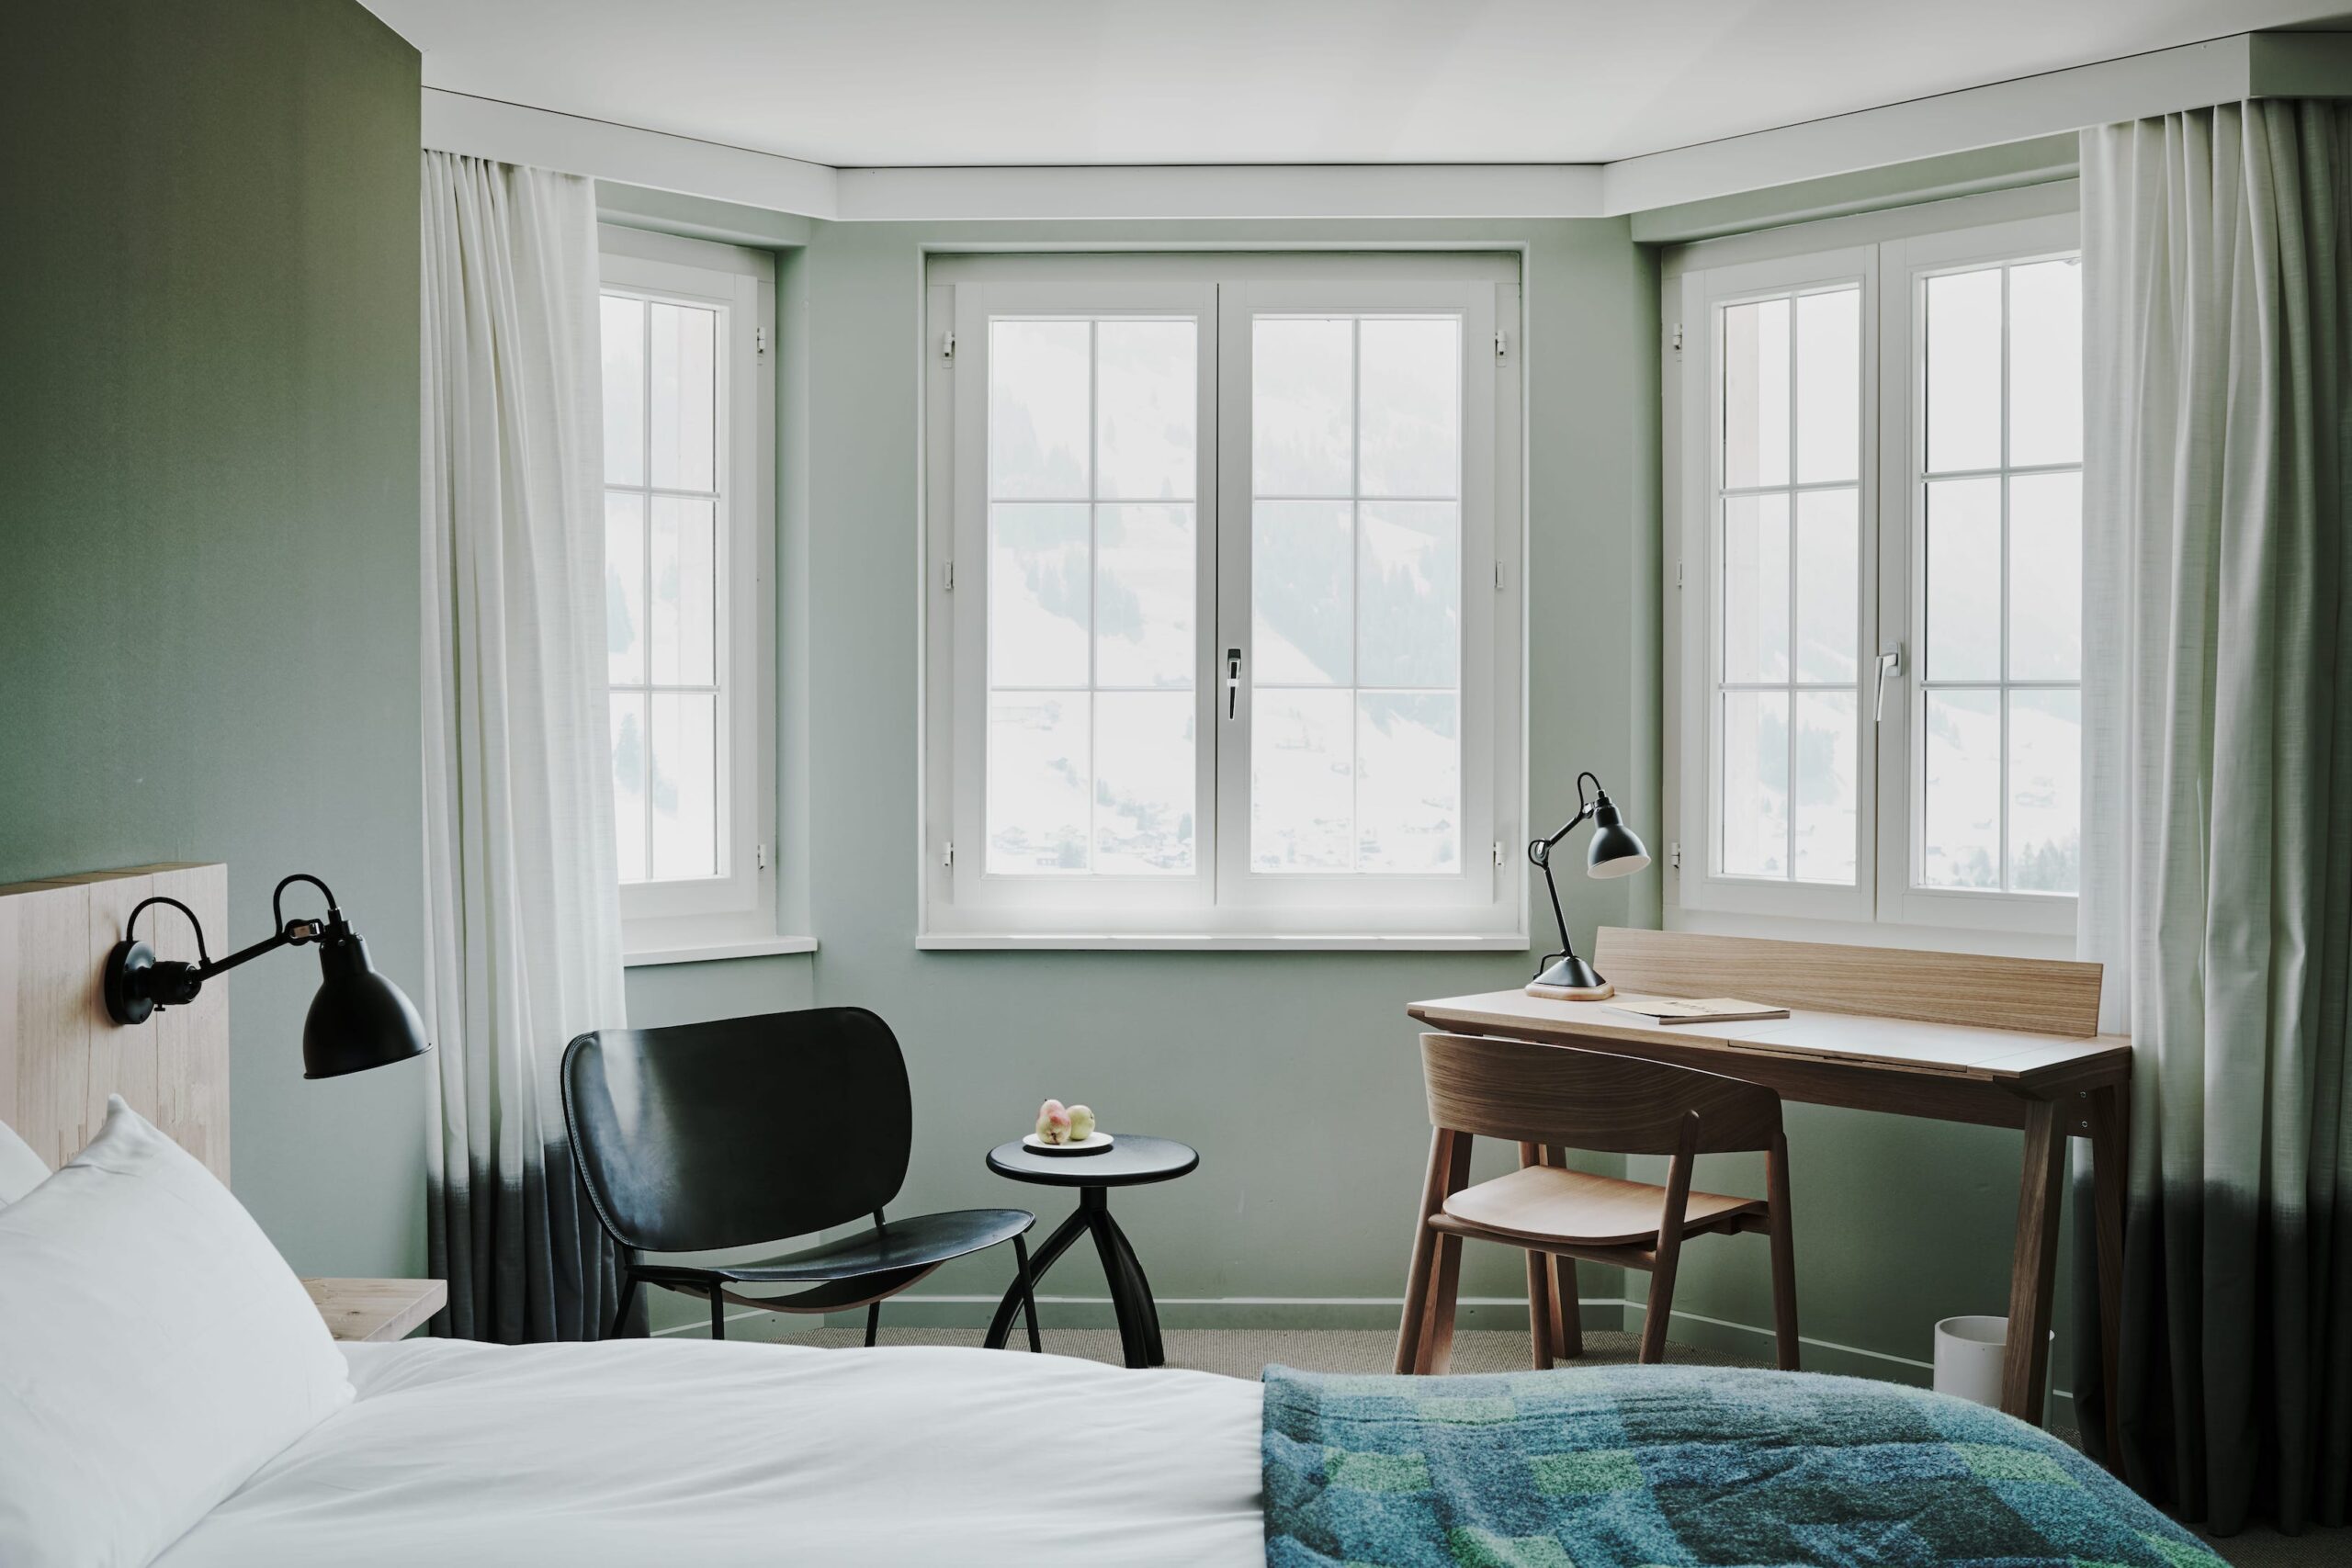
(358, 1020)
(1615, 850)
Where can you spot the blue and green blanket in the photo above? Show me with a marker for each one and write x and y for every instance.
(1622, 1467)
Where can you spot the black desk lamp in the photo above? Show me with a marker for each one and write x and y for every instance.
(358, 1020)
(1615, 850)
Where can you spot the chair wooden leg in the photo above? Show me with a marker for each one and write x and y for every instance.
(1670, 1245)
(1541, 1312)
(1445, 1164)
(1784, 1265)
(1437, 1338)
(1567, 1314)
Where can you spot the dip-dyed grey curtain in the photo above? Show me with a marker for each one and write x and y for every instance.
(522, 887)
(2217, 862)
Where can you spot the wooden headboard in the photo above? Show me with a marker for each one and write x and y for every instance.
(60, 1056)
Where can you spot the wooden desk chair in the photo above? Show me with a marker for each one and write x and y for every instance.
(1550, 1098)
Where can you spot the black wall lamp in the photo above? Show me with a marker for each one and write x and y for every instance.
(358, 1020)
(1615, 850)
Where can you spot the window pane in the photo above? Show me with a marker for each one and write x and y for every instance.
(1755, 786)
(1143, 783)
(1143, 596)
(1756, 587)
(1756, 394)
(1826, 795)
(1828, 586)
(628, 782)
(684, 754)
(2045, 791)
(1301, 785)
(1961, 836)
(622, 324)
(1409, 575)
(1408, 782)
(624, 588)
(1411, 406)
(1302, 576)
(1146, 407)
(1038, 391)
(2046, 577)
(685, 608)
(2045, 364)
(1829, 386)
(1039, 584)
(1302, 407)
(1038, 782)
(1964, 580)
(686, 390)
(1964, 348)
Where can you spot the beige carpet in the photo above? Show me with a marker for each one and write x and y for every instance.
(1243, 1352)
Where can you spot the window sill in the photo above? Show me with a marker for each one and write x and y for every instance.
(712, 952)
(1225, 942)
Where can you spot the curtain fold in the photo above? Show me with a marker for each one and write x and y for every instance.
(523, 913)
(2217, 865)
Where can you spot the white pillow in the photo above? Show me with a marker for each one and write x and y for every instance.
(21, 1170)
(154, 1352)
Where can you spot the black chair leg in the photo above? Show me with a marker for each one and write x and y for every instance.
(1028, 1297)
(628, 1299)
(718, 1313)
(872, 1323)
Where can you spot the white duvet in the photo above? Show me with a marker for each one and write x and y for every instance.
(654, 1452)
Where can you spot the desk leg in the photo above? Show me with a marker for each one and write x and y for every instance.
(2110, 1114)
(2024, 1372)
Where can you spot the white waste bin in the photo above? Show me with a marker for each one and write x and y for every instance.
(1969, 1352)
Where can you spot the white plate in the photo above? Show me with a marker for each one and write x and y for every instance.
(1094, 1143)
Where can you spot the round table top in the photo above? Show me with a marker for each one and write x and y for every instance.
(1131, 1160)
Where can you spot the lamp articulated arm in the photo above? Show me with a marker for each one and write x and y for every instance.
(145, 982)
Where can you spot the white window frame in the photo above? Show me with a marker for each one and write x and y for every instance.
(735, 910)
(1891, 254)
(1222, 904)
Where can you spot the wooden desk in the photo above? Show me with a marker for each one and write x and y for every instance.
(376, 1309)
(2054, 1085)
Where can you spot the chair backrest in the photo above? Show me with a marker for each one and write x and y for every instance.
(1528, 1093)
(738, 1132)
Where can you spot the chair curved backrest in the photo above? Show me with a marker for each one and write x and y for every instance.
(738, 1132)
(1588, 1100)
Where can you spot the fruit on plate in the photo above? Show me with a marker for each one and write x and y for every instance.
(1081, 1124)
(1053, 1122)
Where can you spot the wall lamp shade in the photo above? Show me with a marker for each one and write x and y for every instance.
(358, 1020)
(1615, 850)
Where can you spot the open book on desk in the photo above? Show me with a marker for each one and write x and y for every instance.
(1690, 1010)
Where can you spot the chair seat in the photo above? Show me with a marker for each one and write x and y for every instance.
(918, 1242)
(1539, 1203)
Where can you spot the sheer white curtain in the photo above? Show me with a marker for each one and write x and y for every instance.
(523, 905)
(2217, 864)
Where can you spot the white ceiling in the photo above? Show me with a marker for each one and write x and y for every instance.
(875, 82)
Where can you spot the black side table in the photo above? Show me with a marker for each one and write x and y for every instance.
(1132, 1161)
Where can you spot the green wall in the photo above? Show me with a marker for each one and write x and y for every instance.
(207, 529)
(1295, 1074)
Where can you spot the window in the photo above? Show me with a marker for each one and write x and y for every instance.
(688, 587)
(1878, 589)
(1223, 602)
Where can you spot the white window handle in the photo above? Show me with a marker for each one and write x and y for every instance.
(1890, 666)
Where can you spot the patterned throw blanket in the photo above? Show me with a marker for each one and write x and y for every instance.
(1622, 1467)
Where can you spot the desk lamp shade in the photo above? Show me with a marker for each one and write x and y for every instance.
(1616, 850)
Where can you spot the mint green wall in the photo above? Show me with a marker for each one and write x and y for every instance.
(207, 530)
(1295, 1074)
